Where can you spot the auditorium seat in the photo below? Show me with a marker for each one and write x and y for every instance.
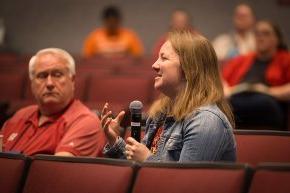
(12, 172)
(98, 106)
(11, 86)
(54, 174)
(92, 70)
(15, 105)
(14, 68)
(82, 86)
(9, 58)
(148, 60)
(205, 177)
(120, 89)
(137, 68)
(113, 64)
(271, 178)
(262, 146)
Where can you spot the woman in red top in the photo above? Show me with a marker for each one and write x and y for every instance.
(258, 82)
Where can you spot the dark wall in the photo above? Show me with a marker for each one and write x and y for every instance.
(35, 24)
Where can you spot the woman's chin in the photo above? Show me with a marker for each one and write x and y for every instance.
(157, 87)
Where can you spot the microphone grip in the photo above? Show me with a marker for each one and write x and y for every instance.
(136, 126)
(136, 133)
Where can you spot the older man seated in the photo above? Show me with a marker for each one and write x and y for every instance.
(58, 124)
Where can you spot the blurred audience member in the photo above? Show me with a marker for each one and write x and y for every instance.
(258, 81)
(2, 36)
(241, 40)
(180, 20)
(112, 40)
(58, 124)
(4, 113)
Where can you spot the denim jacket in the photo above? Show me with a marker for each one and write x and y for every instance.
(205, 135)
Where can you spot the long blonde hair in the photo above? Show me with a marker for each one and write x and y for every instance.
(203, 82)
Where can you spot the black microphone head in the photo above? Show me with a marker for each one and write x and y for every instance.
(135, 107)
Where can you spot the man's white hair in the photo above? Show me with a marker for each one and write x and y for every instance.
(57, 51)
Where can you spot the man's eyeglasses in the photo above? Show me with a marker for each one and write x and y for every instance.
(55, 75)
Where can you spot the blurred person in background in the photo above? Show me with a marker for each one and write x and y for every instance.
(239, 41)
(59, 124)
(112, 40)
(191, 121)
(2, 33)
(257, 82)
(180, 20)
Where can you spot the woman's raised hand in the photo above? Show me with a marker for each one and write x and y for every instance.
(111, 126)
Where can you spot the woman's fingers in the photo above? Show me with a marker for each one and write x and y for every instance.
(129, 154)
(129, 157)
(120, 117)
(105, 109)
(132, 141)
(130, 148)
(106, 125)
(104, 117)
(136, 151)
(110, 134)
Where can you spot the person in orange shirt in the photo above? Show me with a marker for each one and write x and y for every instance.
(112, 40)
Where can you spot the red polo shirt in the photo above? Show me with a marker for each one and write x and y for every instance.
(77, 131)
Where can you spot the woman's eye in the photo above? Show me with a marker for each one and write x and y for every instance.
(163, 58)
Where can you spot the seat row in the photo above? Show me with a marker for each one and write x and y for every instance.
(51, 174)
(19, 59)
(257, 146)
(94, 86)
(55, 174)
(98, 80)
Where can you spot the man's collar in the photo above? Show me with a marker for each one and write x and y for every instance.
(34, 118)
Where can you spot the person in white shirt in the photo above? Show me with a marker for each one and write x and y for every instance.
(241, 40)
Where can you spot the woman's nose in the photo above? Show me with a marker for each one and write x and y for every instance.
(155, 65)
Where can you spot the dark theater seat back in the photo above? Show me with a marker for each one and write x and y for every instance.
(271, 178)
(52, 174)
(12, 171)
(262, 146)
(191, 178)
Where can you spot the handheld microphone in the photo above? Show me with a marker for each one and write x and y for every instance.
(136, 117)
